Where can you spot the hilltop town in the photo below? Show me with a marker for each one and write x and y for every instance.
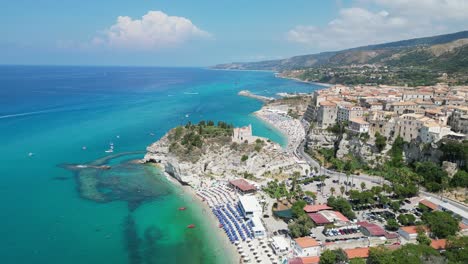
(367, 170)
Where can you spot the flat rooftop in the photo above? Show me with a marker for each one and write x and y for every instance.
(250, 203)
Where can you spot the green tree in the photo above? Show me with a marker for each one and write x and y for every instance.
(460, 179)
(380, 255)
(244, 158)
(363, 185)
(457, 249)
(297, 208)
(422, 238)
(433, 175)
(341, 257)
(327, 257)
(332, 190)
(342, 205)
(392, 225)
(357, 261)
(342, 190)
(380, 141)
(301, 226)
(311, 194)
(406, 219)
(395, 206)
(442, 224)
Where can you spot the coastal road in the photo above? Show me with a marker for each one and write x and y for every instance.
(324, 171)
(300, 153)
(446, 200)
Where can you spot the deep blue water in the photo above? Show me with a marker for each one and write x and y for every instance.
(54, 111)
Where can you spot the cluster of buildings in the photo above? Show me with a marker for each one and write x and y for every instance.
(307, 250)
(426, 114)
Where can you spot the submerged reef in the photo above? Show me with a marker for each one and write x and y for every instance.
(118, 178)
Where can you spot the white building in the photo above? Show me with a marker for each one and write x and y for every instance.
(358, 125)
(258, 228)
(433, 132)
(347, 112)
(409, 233)
(306, 246)
(249, 206)
(280, 245)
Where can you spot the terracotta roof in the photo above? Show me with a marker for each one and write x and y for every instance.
(439, 244)
(462, 226)
(316, 208)
(373, 229)
(319, 219)
(310, 260)
(391, 235)
(428, 204)
(412, 229)
(243, 185)
(358, 121)
(305, 242)
(327, 103)
(295, 261)
(357, 253)
(341, 216)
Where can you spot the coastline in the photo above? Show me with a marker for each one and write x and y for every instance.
(291, 129)
(302, 81)
(205, 211)
(284, 136)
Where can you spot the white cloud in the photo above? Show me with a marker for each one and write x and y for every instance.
(436, 9)
(395, 20)
(155, 30)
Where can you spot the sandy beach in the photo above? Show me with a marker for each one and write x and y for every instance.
(291, 128)
(233, 257)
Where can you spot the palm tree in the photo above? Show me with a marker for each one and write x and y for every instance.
(363, 185)
(342, 190)
(332, 190)
(347, 180)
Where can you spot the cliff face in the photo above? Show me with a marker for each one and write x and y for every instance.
(219, 159)
(365, 150)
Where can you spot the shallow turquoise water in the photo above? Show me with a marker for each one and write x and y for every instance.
(54, 111)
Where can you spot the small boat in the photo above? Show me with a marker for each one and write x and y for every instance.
(83, 147)
(187, 115)
(117, 136)
(191, 226)
(182, 208)
(30, 154)
(111, 148)
(151, 134)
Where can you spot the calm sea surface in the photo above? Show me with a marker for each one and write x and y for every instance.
(129, 214)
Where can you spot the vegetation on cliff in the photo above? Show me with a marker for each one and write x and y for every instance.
(190, 141)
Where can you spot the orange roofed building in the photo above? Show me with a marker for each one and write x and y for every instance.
(357, 253)
(306, 246)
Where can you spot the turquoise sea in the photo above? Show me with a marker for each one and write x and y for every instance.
(53, 112)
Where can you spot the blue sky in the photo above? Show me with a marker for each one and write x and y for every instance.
(206, 32)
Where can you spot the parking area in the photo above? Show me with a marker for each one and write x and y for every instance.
(336, 182)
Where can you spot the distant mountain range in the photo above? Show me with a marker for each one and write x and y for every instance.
(443, 53)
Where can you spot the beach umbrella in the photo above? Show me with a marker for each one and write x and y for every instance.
(237, 242)
(241, 250)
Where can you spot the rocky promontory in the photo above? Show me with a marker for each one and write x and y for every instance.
(191, 152)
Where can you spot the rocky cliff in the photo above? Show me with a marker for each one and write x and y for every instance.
(219, 157)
